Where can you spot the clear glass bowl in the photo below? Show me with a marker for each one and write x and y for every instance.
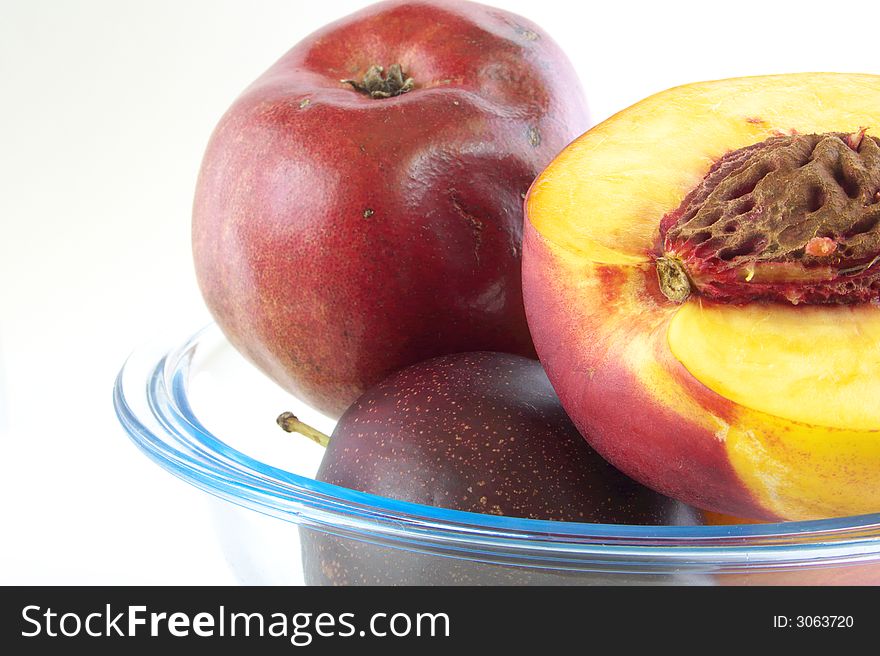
(207, 416)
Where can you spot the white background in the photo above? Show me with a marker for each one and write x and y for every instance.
(105, 109)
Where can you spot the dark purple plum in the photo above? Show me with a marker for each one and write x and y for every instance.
(481, 432)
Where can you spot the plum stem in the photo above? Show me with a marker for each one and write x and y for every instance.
(374, 85)
(290, 423)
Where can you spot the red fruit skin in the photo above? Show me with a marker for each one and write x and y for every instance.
(338, 238)
(647, 441)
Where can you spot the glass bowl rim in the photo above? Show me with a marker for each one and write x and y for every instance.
(172, 436)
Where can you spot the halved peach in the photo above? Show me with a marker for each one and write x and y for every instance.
(702, 282)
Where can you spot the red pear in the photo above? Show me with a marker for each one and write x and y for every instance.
(359, 208)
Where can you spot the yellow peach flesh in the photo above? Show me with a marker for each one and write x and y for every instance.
(811, 364)
(799, 471)
(806, 386)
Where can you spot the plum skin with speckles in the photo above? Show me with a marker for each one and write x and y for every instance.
(481, 432)
(339, 237)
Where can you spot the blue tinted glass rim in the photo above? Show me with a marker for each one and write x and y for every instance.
(175, 439)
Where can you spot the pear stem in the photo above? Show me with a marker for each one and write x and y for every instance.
(291, 424)
(376, 85)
